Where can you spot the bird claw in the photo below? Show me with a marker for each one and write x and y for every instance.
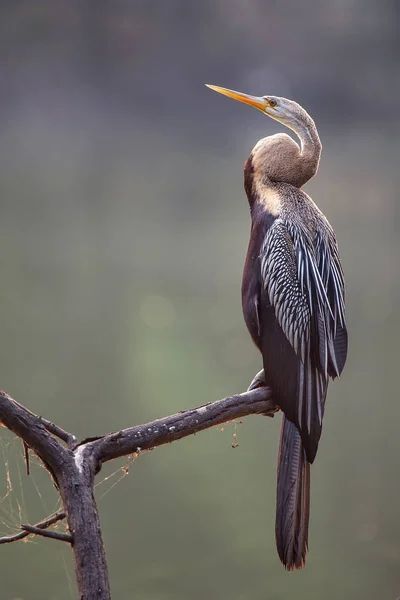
(257, 381)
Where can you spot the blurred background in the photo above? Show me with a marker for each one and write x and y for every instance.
(124, 228)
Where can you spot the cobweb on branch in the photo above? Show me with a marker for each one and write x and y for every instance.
(29, 499)
(13, 510)
(23, 499)
(107, 483)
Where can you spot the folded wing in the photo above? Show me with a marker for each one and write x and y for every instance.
(302, 285)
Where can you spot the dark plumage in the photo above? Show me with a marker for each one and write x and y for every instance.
(293, 304)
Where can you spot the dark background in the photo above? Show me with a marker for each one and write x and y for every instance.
(124, 228)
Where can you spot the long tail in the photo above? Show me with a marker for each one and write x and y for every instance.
(293, 499)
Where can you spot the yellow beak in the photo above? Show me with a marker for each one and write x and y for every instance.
(256, 101)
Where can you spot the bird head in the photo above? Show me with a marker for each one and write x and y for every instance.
(287, 112)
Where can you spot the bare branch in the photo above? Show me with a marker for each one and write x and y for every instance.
(74, 468)
(26, 456)
(32, 431)
(41, 526)
(63, 537)
(183, 424)
(63, 435)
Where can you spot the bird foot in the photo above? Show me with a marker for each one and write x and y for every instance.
(257, 382)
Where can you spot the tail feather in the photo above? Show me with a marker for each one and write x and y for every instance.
(293, 498)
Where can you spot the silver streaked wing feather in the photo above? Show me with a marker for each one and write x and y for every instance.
(305, 286)
(285, 278)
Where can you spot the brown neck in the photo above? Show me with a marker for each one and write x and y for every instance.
(278, 159)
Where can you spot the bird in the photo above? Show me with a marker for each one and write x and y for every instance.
(293, 299)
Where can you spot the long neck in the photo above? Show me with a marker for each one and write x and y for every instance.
(278, 159)
(310, 146)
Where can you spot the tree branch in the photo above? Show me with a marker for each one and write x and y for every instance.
(182, 424)
(74, 468)
(66, 437)
(30, 428)
(54, 535)
(42, 525)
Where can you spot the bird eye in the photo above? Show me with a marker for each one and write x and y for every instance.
(272, 102)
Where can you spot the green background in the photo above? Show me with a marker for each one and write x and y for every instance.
(124, 228)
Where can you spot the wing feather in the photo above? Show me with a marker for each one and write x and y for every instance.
(303, 278)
